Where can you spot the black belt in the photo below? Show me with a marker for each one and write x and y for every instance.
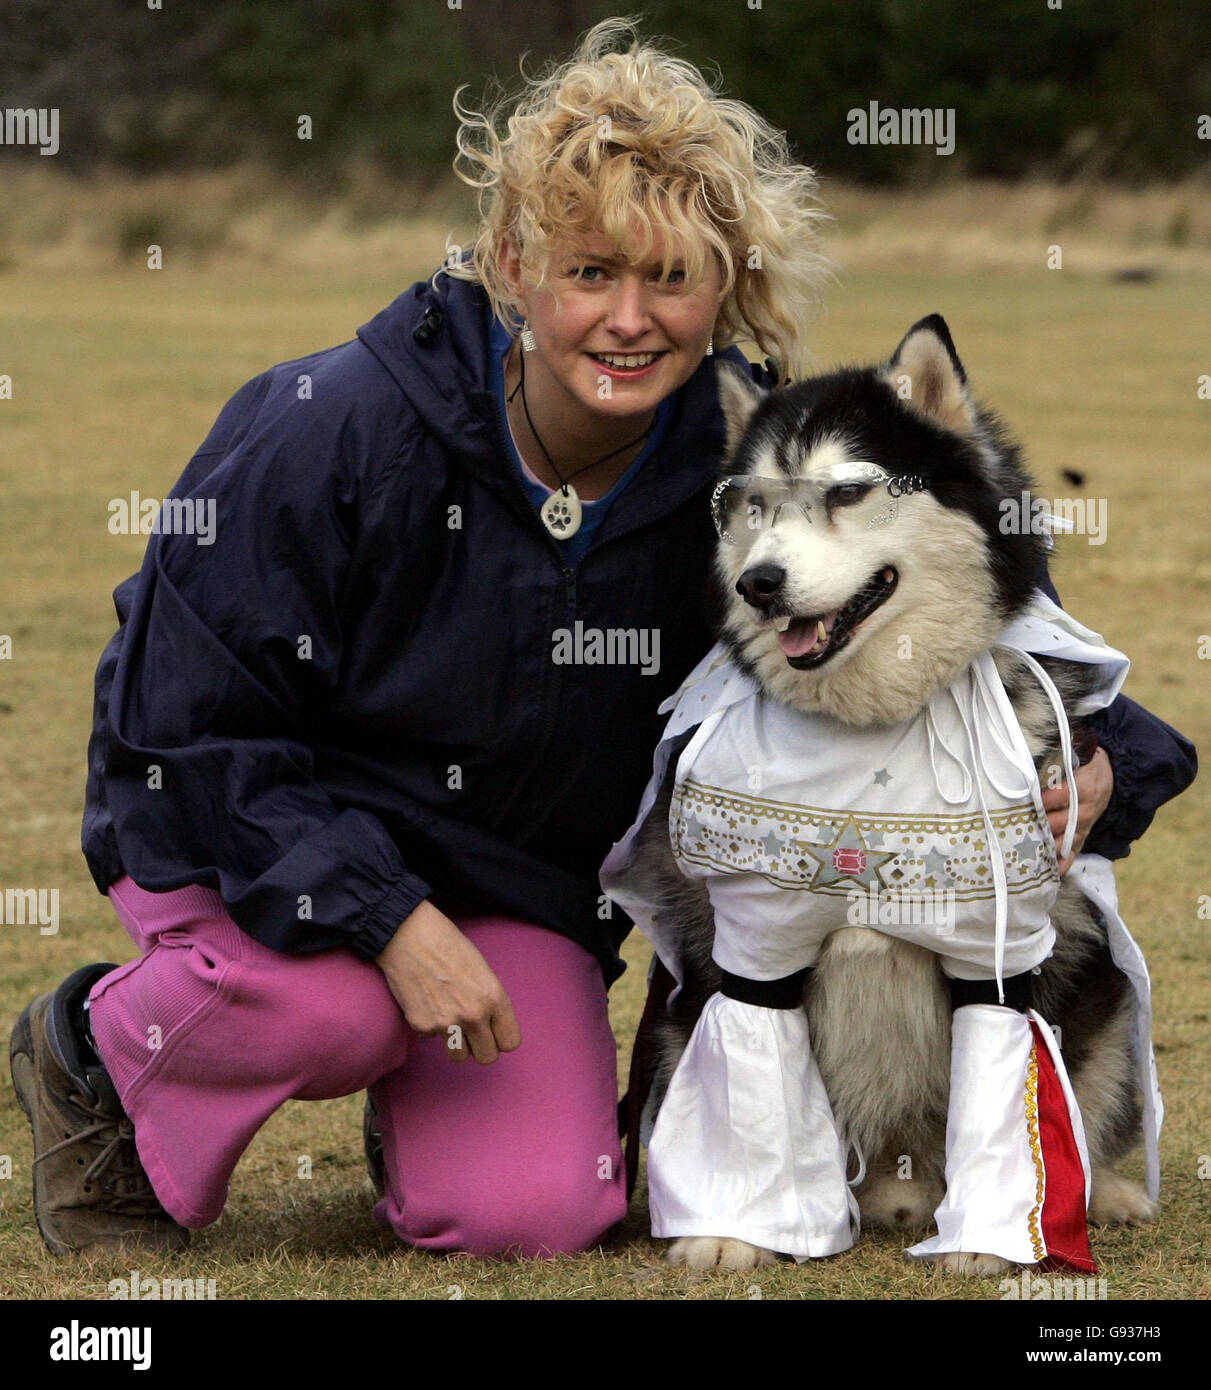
(786, 993)
(1019, 992)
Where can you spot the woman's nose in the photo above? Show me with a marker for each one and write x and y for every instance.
(629, 316)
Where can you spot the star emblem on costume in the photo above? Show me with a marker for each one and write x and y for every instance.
(882, 777)
(848, 857)
(935, 862)
(1027, 849)
(774, 847)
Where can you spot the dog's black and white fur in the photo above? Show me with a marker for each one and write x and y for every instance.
(879, 1009)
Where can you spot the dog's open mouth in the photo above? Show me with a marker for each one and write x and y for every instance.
(811, 640)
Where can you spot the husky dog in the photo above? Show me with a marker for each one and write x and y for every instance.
(815, 615)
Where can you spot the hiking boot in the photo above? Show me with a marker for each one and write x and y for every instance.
(372, 1141)
(90, 1190)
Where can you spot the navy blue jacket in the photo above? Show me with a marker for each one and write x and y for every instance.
(348, 702)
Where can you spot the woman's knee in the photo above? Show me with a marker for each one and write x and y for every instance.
(544, 1217)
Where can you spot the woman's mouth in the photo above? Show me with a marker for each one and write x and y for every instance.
(627, 366)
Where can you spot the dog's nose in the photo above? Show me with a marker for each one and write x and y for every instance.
(759, 585)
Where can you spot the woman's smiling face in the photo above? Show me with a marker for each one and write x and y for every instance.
(596, 312)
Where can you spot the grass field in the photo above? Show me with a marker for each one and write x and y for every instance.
(118, 373)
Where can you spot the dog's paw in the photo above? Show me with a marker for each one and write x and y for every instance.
(1117, 1201)
(718, 1252)
(897, 1204)
(974, 1266)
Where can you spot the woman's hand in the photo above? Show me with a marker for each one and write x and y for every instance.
(443, 985)
(1094, 784)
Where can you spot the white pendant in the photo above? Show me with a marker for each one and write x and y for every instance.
(561, 512)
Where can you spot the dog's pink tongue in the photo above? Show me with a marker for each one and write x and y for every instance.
(803, 638)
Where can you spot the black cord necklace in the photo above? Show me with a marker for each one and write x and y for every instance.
(562, 513)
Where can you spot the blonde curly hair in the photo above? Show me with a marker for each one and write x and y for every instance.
(637, 142)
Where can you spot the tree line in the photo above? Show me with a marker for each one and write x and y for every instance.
(1060, 88)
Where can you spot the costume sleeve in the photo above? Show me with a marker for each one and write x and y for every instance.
(1151, 762)
(202, 757)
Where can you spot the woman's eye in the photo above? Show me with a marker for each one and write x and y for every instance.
(676, 280)
(594, 274)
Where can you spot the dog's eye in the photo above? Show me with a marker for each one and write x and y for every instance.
(754, 511)
(846, 494)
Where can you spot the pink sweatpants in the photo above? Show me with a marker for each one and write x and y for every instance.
(208, 1032)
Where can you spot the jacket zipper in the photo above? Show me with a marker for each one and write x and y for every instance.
(569, 574)
(506, 450)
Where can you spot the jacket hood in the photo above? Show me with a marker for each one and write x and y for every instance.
(433, 339)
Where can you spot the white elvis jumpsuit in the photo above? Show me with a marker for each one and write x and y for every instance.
(932, 830)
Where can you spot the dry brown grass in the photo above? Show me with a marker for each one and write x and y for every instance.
(977, 225)
(249, 214)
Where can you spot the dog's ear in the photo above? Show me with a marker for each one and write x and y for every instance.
(739, 395)
(925, 371)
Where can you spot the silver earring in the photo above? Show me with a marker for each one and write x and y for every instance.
(710, 348)
(527, 337)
